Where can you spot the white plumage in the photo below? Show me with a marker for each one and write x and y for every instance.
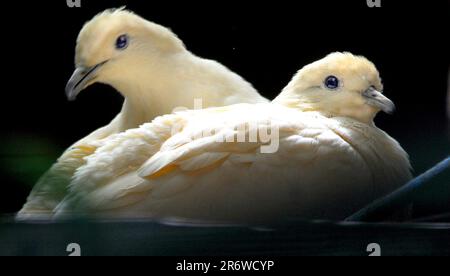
(330, 161)
(151, 68)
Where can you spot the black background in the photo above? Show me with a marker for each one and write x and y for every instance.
(266, 43)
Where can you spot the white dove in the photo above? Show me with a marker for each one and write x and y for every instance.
(151, 68)
(325, 158)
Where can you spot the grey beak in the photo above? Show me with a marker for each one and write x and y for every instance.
(377, 99)
(80, 79)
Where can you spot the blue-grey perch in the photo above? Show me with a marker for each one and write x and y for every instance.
(388, 205)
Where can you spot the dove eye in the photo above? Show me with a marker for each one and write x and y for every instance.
(122, 42)
(331, 82)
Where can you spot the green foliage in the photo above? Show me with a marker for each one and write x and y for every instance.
(25, 158)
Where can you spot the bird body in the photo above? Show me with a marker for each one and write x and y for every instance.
(152, 69)
(322, 161)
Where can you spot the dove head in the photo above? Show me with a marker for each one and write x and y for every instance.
(114, 48)
(339, 85)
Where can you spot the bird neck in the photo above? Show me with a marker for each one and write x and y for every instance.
(142, 105)
(133, 114)
(156, 88)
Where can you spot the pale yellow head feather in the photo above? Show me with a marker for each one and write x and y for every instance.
(96, 41)
(308, 92)
(103, 56)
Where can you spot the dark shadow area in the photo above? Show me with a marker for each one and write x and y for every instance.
(147, 238)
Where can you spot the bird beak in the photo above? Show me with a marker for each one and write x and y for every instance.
(81, 78)
(377, 99)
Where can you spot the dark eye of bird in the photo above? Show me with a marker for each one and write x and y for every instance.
(331, 82)
(122, 42)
